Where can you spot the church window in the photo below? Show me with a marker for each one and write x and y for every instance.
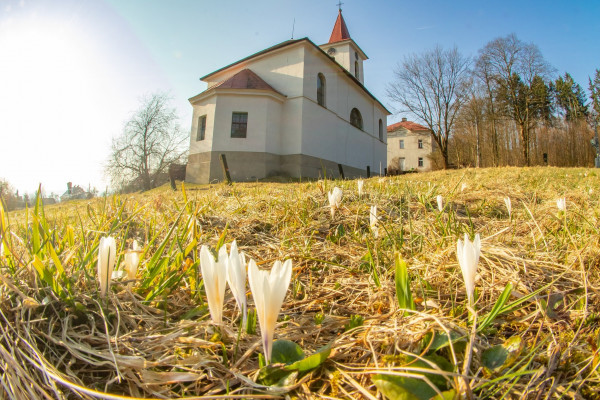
(420, 161)
(201, 128)
(356, 72)
(239, 124)
(321, 89)
(401, 143)
(381, 130)
(420, 143)
(356, 118)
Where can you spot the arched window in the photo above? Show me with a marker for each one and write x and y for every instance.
(356, 72)
(381, 130)
(356, 118)
(321, 89)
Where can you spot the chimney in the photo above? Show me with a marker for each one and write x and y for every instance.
(404, 119)
(69, 187)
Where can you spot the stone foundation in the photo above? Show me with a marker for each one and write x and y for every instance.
(251, 166)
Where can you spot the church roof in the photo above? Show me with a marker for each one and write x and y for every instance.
(411, 126)
(289, 43)
(245, 79)
(340, 30)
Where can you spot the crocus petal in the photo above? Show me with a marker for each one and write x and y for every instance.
(236, 277)
(268, 291)
(214, 275)
(508, 205)
(467, 253)
(107, 251)
(360, 183)
(440, 202)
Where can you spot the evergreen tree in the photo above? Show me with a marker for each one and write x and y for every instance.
(570, 98)
(595, 95)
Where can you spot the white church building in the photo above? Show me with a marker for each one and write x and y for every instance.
(293, 109)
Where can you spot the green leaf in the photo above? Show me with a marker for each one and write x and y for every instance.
(275, 376)
(501, 356)
(286, 352)
(438, 340)
(498, 307)
(403, 293)
(402, 388)
(312, 361)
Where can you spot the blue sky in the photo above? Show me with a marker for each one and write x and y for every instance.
(72, 71)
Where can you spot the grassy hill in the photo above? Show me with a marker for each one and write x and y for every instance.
(533, 331)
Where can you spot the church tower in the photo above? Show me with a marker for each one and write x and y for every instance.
(344, 50)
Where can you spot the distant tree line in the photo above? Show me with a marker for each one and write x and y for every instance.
(504, 107)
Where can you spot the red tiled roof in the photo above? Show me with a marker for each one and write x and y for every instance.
(245, 79)
(340, 30)
(411, 126)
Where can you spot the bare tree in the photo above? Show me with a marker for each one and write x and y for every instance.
(150, 142)
(516, 69)
(432, 87)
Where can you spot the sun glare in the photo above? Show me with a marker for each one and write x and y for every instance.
(47, 74)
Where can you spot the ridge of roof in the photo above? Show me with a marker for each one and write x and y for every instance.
(340, 30)
(411, 126)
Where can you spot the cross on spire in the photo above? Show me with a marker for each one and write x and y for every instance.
(339, 4)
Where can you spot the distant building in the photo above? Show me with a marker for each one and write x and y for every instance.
(75, 193)
(293, 109)
(410, 146)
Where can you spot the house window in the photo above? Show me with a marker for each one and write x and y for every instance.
(381, 130)
(201, 128)
(401, 143)
(420, 143)
(239, 124)
(420, 161)
(356, 72)
(356, 118)
(321, 90)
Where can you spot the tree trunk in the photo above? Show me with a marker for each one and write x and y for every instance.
(524, 143)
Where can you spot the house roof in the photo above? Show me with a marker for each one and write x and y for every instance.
(245, 79)
(340, 30)
(411, 126)
(289, 43)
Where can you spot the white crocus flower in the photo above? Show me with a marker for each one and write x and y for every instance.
(360, 183)
(440, 202)
(561, 204)
(467, 253)
(214, 274)
(373, 220)
(236, 277)
(268, 291)
(335, 199)
(132, 260)
(107, 252)
(508, 205)
(463, 187)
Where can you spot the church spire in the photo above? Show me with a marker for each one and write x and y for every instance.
(340, 30)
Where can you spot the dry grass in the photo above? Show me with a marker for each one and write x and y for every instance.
(153, 337)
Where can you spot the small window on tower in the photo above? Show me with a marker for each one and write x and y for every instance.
(201, 128)
(401, 143)
(420, 161)
(420, 143)
(356, 72)
(356, 55)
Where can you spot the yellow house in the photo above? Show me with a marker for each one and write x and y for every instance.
(293, 109)
(409, 147)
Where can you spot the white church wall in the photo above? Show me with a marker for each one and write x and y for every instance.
(283, 69)
(257, 108)
(206, 107)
